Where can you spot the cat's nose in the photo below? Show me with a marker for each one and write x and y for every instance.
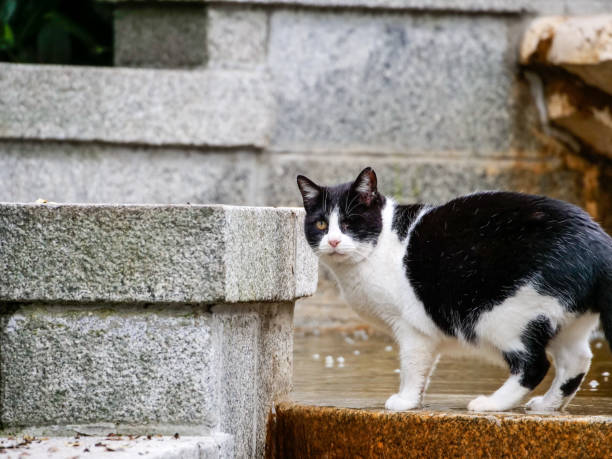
(333, 242)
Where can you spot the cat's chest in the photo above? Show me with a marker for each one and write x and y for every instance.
(377, 289)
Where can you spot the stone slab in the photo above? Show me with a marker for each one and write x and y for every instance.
(404, 84)
(141, 370)
(99, 173)
(581, 45)
(302, 431)
(499, 6)
(120, 105)
(84, 365)
(424, 180)
(215, 446)
(160, 36)
(237, 36)
(158, 254)
(259, 342)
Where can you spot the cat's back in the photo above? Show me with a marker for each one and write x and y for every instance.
(475, 251)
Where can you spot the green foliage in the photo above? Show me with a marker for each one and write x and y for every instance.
(56, 32)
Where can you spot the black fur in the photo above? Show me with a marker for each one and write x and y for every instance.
(571, 385)
(474, 252)
(532, 364)
(403, 217)
(359, 213)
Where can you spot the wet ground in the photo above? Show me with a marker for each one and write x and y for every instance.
(355, 370)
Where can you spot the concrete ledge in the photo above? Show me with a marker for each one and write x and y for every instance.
(217, 446)
(154, 254)
(155, 107)
(304, 431)
(501, 6)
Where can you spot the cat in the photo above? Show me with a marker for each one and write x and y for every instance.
(510, 275)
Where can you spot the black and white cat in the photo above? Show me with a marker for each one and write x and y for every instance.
(510, 275)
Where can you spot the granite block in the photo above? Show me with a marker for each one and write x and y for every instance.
(158, 35)
(120, 105)
(99, 173)
(237, 36)
(481, 6)
(408, 84)
(302, 431)
(424, 180)
(156, 254)
(83, 365)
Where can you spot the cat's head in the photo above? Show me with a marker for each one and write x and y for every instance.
(343, 222)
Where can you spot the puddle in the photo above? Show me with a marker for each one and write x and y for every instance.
(353, 372)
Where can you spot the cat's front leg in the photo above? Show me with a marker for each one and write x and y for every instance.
(417, 356)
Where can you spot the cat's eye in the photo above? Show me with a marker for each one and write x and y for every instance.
(321, 225)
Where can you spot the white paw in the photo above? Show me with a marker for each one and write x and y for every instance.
(540, 404)
(484, 403)
(398, 402)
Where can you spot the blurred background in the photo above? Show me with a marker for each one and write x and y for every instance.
(227, 101)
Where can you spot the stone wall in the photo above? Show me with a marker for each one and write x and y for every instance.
(227, 101)
(428, 92)
(148, 319)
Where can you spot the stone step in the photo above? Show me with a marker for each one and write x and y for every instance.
(217, 446)
(302, 431)
(148, 319)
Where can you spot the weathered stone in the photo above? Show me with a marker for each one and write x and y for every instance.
(159, 35)
(499, 6)
(265, 365)
(432, 181)
(237, 36)
(581, 45)
(301, 431)
(180, 254)
(390, 83)
(83, 365)
(99, 173)
(145, 369)
(585, 113)
(215, 446)
(226, 108)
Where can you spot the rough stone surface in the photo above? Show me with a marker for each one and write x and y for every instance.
(160, 36)
(155, 369)
(77, 365)
(237, 36)
(306, 431)
(98, 173)
(501, 6)
(180, 254)
(215, 446)
(582, 45)
(423, 180)
(204, 108)
(389, 83)
(260, 344)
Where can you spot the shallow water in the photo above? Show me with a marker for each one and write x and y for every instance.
(360, 371)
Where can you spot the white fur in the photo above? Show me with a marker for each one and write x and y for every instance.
(373, 281)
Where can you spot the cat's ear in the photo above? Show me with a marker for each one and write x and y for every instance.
(310, 191)
(366, 185)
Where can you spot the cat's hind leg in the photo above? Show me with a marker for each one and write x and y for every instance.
(571, 354)
(528, 366)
